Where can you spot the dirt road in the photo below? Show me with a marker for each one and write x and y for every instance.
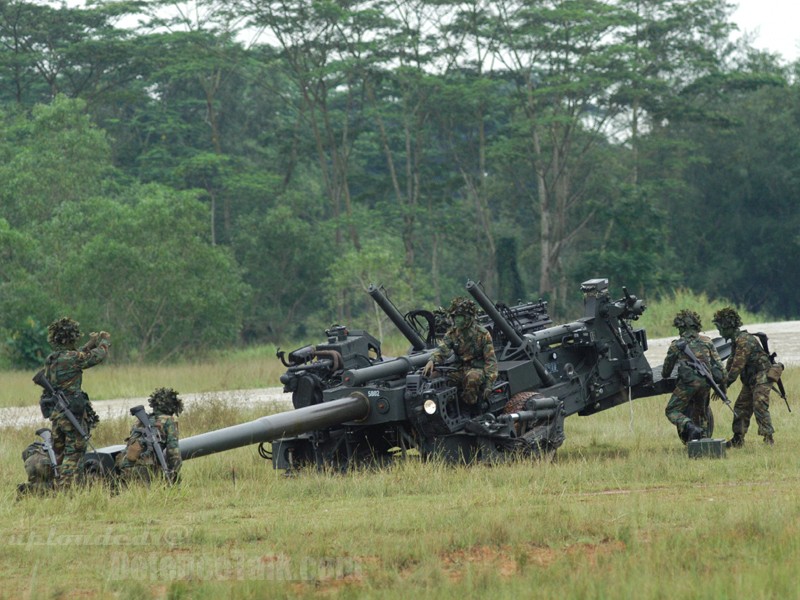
(784, 339)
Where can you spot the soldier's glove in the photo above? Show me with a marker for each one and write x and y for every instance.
(92, 343)
(427, 370)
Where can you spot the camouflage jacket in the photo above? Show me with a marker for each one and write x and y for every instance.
(166, 427)
(64, 368)
(472, 347)
(703, 348)
(747, 359)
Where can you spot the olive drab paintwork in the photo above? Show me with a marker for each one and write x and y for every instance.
(355, 407)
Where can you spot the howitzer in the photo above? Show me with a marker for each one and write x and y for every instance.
(589, 365)
(368, 409)
(62, 405)
(47, 446)
(762, 337)
(152, 439)
(701, 369)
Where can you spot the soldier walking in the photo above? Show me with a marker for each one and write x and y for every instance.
(750, 362)
(691, 386)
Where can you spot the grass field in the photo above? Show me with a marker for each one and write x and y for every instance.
(250, 368)
(621, 513)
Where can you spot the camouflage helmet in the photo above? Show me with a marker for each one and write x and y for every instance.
(64, 333)
(462, 306)
(727, 318)
(687, 319)
(166, 401)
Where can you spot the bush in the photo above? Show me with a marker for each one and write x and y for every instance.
(27, 346)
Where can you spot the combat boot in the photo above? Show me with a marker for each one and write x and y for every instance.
(737, 441)
(768, 440)
(693, 432)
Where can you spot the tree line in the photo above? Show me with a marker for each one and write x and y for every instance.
(193, 175)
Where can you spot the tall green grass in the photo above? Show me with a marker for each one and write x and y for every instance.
(248, 368)
(657, 318)
(621, 513)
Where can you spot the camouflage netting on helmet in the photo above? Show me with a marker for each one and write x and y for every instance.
(727, 318)
(166, 401)
(64, 333)
(687, 319)
(37, 464)
(463, 306)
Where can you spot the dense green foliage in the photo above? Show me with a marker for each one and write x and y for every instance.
(186, 183)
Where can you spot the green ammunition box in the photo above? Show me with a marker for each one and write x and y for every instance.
(707, 448)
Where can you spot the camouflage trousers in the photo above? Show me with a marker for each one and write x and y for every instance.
(678, 406)
(69, 444)
(471, 384)
(753, 400)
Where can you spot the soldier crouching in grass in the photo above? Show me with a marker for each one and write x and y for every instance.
(41, 466)
(691, 386)
(152, 449)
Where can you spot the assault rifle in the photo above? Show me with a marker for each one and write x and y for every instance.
(762, 337)
(62, 405)
(703, 371)
(47, 445)
(153, 439)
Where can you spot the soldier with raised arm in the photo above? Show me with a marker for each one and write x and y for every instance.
(64, 370)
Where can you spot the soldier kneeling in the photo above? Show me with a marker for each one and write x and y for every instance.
(152, 448)
(41, 466)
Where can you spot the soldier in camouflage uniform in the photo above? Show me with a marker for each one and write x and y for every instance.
(64, 370)
(471, 344)
(38, 467)
(749, 361)
(139, 461)
(690, 386)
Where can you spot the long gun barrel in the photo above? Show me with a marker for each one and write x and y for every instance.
(391, 311)
(512, 334)
(489, 308)
(390, 368)
(273, 427)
